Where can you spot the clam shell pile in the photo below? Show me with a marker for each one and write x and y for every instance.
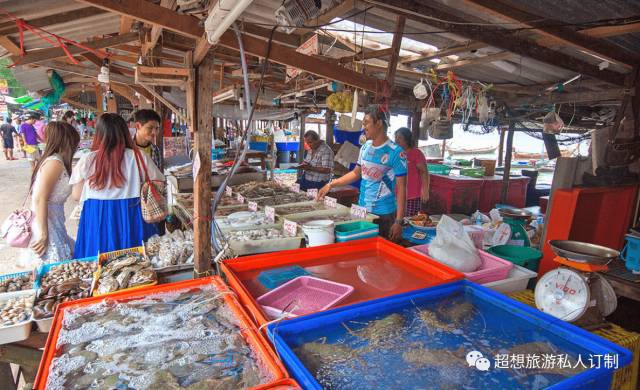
(16, 310)
(255, 234)
(62, 273)
(49, 297)
(174, 248)
(16, 283)
(125, 271)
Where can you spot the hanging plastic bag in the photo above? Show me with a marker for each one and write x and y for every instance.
(453, 246)
(482, 108)
(424, 125)
(552, 123)
(420, 90)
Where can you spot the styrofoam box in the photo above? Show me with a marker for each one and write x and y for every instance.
(22, 330)
(516, 281)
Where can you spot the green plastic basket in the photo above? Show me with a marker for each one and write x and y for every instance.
(464, 163)
(439, 169)
(473, 172)
(523, 256)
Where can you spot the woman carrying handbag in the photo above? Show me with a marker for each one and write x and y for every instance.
(108, 181)
(41, 228)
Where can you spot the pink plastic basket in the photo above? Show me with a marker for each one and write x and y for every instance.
(492, 268)
(303, 295)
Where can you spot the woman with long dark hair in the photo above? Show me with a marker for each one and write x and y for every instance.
(49, 191)
(417, 173)
(107, 181)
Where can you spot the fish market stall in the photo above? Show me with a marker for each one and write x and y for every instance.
(180, 179)
(187, 334)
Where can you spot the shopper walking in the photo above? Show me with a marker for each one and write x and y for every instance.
(30, 139)
(8, 131)
(49, 191)
(107, 181)
(417, 173)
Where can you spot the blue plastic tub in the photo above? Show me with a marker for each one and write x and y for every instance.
(509, 324)
(43, 269)
(415, 235)
(30, 273)
(275, 277)
(258, 146)
(342, 136)
(287, 146)
(631, 253)
(217, 153)
(355, 231)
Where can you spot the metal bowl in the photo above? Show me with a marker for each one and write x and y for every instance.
(583, 252)
(515, 213)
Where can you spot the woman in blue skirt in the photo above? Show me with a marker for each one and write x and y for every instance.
(107, 181)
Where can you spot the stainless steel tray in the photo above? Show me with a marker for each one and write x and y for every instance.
(583, 252)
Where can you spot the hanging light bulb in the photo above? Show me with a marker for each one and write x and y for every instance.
(103, 76)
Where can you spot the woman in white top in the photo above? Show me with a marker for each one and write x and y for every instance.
(107, 181)
(50, 190)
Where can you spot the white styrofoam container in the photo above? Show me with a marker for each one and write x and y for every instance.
(516, 281)
(44, 325)
(22, 330)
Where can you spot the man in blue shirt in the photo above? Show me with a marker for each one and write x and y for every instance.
(382, 166)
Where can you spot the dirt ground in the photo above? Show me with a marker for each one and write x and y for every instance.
(14, 184)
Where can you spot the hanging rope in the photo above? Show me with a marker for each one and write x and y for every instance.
(57, 41)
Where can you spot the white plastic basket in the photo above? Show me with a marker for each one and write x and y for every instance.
(516, 281)
(19, 331)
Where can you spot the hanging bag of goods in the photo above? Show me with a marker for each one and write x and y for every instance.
(152, 200)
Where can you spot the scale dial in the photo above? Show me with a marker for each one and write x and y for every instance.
(563, 293)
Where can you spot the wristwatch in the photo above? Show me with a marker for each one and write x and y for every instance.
(398, 221)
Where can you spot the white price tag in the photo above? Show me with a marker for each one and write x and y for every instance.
(270, 213)
(295, 187)
(228, 191)
(253, 206)
(358, 211)
(290, 228)
(330, 202)
(312, 193)
(240, 198)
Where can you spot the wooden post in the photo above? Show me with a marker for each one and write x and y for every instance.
(112, 104)
(507, 163)
(300, 153)
(444, 147)
(395, 47)
(202, 158)
(191, 93)
(329, 121)
(501, 147)
(415, 125)
(99, 99)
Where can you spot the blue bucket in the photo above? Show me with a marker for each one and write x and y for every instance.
(631, 253)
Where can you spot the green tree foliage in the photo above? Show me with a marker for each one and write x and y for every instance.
(15, 88)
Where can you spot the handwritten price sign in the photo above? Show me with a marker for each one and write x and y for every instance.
(240, 198)
(253, 206)
(290, 228)
(228, 191)
(312, 193)
(295, 187)
(270, 212)
(330, 202)
(358, 211)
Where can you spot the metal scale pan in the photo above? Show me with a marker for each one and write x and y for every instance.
(583, 252)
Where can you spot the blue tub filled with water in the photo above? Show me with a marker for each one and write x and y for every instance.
(455, 336)
(43, 269)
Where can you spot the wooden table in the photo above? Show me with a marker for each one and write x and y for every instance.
(622, 286)
(26, 354)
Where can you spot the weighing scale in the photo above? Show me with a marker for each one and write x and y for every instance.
(517, 219)
(575, 292)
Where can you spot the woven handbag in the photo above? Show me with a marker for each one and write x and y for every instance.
(152, 200)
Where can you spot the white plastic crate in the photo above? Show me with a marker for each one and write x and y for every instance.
(516, 281)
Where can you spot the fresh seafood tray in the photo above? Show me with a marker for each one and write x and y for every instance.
(339, 216)
(185, 335)
(374, 267)
(223, 211)
(459, 335)
(243, 220)
(17, 282)
(65, 271)
(48, 298)
(292, 197)
(302, 207)
(16, 311)
(123, 270)
(267, 239)
(253, 189)
(171, 252)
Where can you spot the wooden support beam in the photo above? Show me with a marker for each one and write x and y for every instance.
(505, 55)
(9, 45)
(554, 30)
(125, 24)
(502, 132)
(112, 104)
(164, 101)
(202, 254)
(156, 31)
(469, 46)
(152, 14)
(286, 56)
(201, 50)
(500, 38)
(8, 28)
(290, 40)
(366, 55)
(507, 164)
(84, 71)
(33, 56)
(143, 92)
(191, 93)
(335, 12)
(124, 91)
(157, 81)
(395, 46)
(611, 31)
(164, 70)
(189, 26)
(571, 97)
(99, 99)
